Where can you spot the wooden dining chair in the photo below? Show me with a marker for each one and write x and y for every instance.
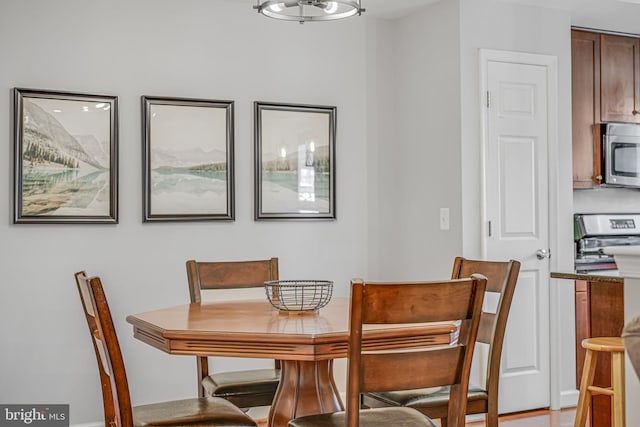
(116, 399)
(376, 368)
(501, 280)
(248, 388)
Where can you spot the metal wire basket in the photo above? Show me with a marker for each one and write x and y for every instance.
(299, 295)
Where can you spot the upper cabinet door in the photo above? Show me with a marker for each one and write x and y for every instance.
(620, 78)
(585, 107)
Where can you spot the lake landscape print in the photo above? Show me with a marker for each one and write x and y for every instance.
(65, 163)
(188, 165)
(296, 161)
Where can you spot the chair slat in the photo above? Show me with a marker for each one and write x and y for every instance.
(429, 368)
(497, 273)
(487, 326)
(415, 302)
(237, 274)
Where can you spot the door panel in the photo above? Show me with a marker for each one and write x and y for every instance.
(517, 180)
(521, 353)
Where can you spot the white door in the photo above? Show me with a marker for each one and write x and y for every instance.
(516, 209)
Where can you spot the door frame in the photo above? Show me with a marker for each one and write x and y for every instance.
(550, 62)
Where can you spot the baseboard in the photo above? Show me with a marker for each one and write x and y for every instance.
(473, 418)
(569, 398)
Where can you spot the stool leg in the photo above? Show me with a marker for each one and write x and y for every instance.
(588, 372)
(617, 383)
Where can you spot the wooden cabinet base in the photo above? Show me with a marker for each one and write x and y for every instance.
(599, 313)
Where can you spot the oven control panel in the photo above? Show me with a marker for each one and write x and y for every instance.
(587, 225)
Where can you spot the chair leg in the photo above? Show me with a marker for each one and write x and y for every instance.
(491, 419)
(588, 372)
(203, 371)
(617, 383)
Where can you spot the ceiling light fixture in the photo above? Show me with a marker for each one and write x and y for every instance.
(309, 10)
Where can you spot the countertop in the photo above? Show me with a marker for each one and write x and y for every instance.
(623, 250)
(594, 276)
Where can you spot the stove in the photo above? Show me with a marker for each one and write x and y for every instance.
(593, 232)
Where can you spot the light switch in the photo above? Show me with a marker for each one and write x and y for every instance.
(444, 218)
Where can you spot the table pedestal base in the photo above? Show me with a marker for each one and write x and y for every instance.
(313, 385)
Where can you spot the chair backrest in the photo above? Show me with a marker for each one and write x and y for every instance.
(411, 368)
(229, 275)
(501, 279)
(113, 377)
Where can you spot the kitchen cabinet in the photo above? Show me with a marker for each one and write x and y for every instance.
(619, 79)
(605, 87)
(585, 108)
(599, 313)
(599, 304)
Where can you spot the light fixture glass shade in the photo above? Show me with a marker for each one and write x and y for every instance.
(309, 10)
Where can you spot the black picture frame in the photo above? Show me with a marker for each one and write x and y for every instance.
(188, 159)
(65, 157)
(295, 161)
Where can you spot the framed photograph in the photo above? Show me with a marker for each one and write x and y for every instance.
(294, 161)
(65, 157)
(188, 159)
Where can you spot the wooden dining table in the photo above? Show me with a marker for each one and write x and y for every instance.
(306, 344)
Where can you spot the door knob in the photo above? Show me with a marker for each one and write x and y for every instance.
(543, 253)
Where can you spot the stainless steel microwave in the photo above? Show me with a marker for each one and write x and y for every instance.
(621, 154)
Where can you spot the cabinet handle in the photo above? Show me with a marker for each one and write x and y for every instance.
(635, 112)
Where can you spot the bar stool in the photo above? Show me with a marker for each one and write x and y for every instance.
(614, 346)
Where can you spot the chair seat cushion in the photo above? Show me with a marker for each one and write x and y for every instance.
(242, 382)
(244, 388)
(425, 398)
(208, 411)
(379, 417)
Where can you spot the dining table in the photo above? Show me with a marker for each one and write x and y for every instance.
(306, 343)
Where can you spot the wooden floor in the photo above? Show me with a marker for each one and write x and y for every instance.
(542, 418)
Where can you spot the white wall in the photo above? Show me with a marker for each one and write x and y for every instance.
(192, 48)
(497, 25)
(608, 15)
(606, 200)
(381, 125)
(418, 159)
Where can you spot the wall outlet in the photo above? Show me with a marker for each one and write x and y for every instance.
(444, 218)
